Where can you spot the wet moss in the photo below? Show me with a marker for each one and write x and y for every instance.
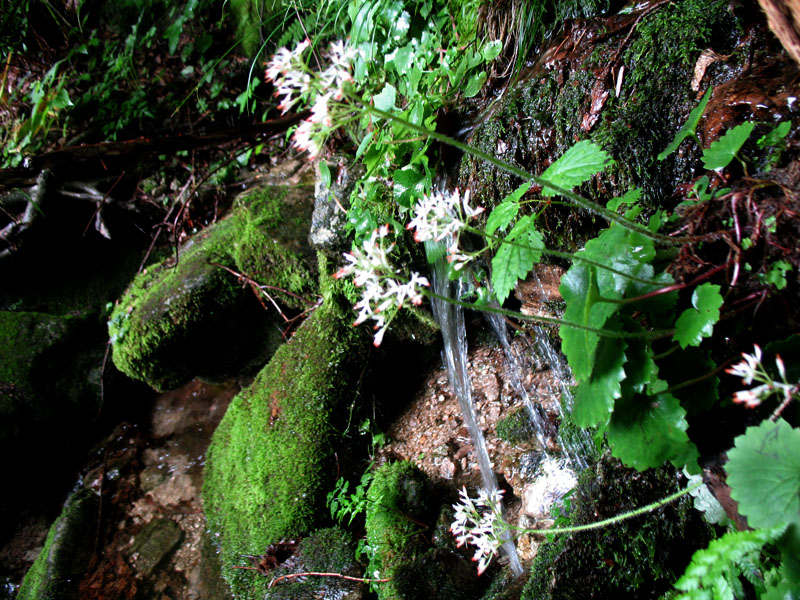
(271, 230)
(437, 575)
(516, 428)
(67, 551)
(398, 504)
(178, 320)
(636, 558)
(271, 460)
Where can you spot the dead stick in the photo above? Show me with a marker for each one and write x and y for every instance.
(337, 575)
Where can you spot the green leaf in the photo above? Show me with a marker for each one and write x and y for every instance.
(505, 212)
(697, 323)
(775, 137)
(475, 84)
(645, 431)
(385, 100)
(325, 173)
(715, 569)
(764, 473)
(688, 128)
(722, 152)
(578, 164)
(594, 399)
(511, 262)
(408, 182)
(492, 50)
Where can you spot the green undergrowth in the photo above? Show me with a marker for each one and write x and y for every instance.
(271, 460)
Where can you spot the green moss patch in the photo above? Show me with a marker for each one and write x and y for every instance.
(271, 461)
(188, 318)
(637, 558)
(398, 502)
(272, 225)
(67, 551)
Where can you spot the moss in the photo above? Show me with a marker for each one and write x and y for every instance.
(271, 459)
(46, 370)
(542, 117)
(66, 553)
(269, 228)
(186, 319)
(516, 428)
(398, 502)
(437, 575)
(637, 558)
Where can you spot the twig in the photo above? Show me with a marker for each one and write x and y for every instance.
(337, 575)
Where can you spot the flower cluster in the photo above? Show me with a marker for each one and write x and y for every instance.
(442, 216)
(294, 81)
(381, 290)
(480, 524)
(751, 369)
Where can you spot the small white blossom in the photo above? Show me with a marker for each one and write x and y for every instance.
(382, 291)
(480, 524)
(751, 369)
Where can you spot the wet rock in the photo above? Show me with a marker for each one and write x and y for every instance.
(437, 575)
(330, 203)
(399, 498)
(154, 545)
(553, 481)
(67, 551)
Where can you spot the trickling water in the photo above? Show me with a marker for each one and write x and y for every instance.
(451, 321)
(576, 447)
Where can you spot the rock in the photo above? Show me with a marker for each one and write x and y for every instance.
(67, 551)
(553, 481)
(437, 575)
(330, 203)
(154, 545)
(271, 462)
(190, 318)
(270, 247)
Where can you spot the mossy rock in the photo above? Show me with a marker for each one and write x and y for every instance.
(328, 550)
(46, 370)
(270, 247)
(271, 460)
(637, 558)
(63, 560)
(399, 502)
(438, 574)
(189, 318)
(541, 117)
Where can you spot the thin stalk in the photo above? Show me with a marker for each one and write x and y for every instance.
(652, 335)
(618, 518)
(576, 199)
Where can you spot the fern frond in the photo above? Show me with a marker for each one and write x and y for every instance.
(714, 572)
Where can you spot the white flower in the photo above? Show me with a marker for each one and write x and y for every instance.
(480, 528)
(382, 291)
(751, 369)
(282, 60)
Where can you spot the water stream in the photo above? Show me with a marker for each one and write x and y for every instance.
(451, 321)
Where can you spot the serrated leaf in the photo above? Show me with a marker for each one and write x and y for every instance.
(579, 290)
(595, 397)
(577, 165)
(645, 431)
(688, 128)
(697, 323)
(511, 262)
(722, 152)
(505, 212)
(385, 100)
(764, 474)
(475, 84)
